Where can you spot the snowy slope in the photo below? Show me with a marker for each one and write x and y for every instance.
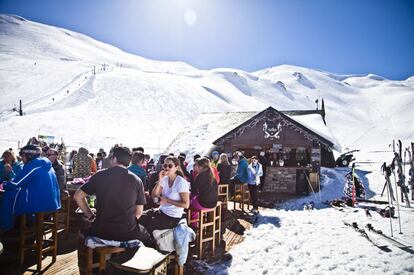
(139, 101)
(360, 108)
(143, 102)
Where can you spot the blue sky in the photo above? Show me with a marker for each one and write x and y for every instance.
(346, 37)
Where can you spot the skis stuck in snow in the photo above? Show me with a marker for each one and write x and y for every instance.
(401, 175)
(389, 239)
(364, 234)
(411, 171)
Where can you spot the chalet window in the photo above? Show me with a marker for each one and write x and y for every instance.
(300, 154)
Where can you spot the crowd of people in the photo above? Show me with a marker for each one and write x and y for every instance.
(134, 195)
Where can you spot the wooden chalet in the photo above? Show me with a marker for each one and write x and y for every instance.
(291, 145)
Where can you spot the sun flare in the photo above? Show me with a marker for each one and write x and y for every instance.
(190, 17)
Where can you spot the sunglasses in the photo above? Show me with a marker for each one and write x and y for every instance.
(51, 155)
(169, 166)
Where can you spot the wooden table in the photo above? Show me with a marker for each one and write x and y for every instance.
(72, 188)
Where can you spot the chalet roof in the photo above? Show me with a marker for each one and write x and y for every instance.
(212, 128)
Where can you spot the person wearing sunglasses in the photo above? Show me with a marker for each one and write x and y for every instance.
(172, 190)
(52, 155)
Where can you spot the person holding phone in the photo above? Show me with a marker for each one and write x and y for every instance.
(172, 190)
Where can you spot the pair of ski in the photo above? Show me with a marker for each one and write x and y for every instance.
(377, 232)
(411, 171)
(342, 207)
(401, 174)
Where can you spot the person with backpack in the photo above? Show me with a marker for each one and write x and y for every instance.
(255, 171)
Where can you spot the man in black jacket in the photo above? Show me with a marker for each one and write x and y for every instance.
(52, 155)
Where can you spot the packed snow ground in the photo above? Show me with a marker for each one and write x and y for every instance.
(290, 240)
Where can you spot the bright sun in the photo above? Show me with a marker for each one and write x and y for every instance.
(190, 17)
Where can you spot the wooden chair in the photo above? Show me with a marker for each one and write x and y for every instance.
(64, 214)
(86, 254)
(45, 224)
(167, 245)
(223, 194)
(241, 195)
(178, 269)
(146, 261)
(209, 229)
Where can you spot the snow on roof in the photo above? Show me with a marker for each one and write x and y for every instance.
(315, 123)
(198, 138)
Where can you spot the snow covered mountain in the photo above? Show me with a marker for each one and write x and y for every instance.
(142, 102)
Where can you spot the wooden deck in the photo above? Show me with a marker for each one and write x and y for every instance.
(235, 222)
(66, 264)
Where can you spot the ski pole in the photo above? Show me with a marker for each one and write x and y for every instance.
(387, 177)
(353, 192)
(385, 184)
(396, 186)
(405, 155)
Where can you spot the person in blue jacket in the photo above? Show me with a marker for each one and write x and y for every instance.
(9, 166)
(242, 175)
(137, 162)
(34, 189)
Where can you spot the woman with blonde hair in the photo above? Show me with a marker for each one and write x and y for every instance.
(224, 168)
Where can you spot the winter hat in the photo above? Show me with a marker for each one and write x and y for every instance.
(215, 153)
(30, 151)
(238, 153)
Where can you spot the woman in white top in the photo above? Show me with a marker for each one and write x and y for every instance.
(172, 191)
(255, 171)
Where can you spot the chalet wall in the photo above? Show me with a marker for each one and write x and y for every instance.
(256, 136)
(280, 180)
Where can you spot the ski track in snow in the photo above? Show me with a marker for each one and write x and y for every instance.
(41, 62)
